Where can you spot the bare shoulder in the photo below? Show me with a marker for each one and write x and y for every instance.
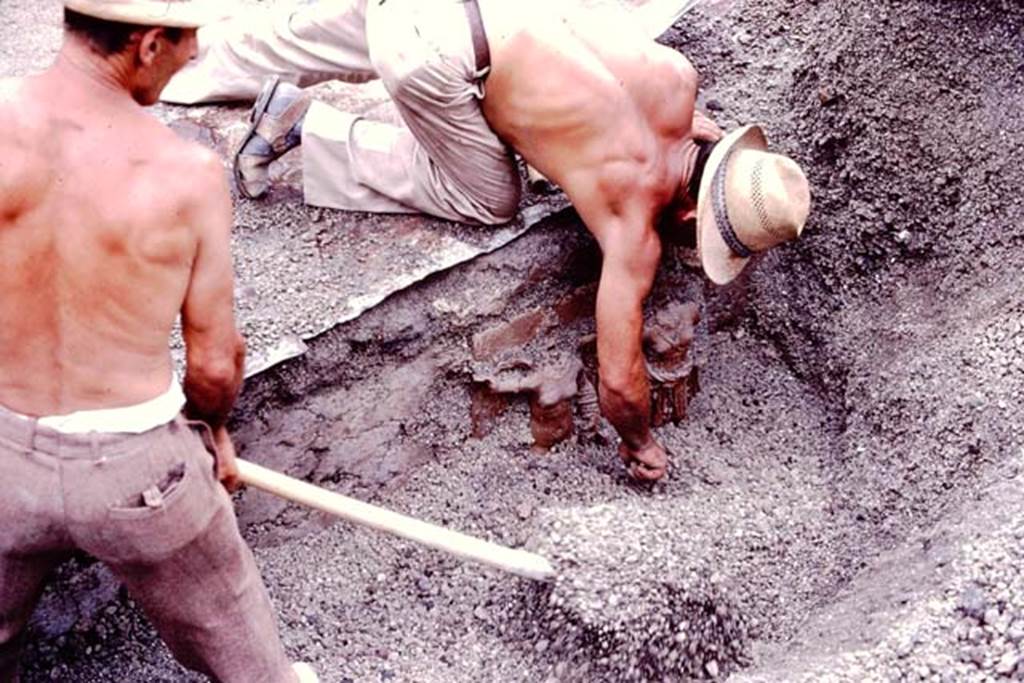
(203, 165)
(676, 63)
(17, 136)
(10, 97)
(8, 87)
(196, 174)
(182, 154)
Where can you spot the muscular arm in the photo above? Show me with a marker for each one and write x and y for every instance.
(630, 261)
(215, 351)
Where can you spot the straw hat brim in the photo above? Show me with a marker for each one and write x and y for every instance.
(152, 12)
(721, 264)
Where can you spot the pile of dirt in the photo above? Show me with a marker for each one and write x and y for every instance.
(626, 610)
(901, 309)
(859, 390)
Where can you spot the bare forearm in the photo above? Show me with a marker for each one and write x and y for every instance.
(212, 385)
(629, 410)
(624, 390)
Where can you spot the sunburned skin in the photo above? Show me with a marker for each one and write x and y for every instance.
(595, 108)
(109, 227)
(92, 272)
(608, 115)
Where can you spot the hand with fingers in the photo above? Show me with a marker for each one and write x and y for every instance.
(647, 463)
(705, 129)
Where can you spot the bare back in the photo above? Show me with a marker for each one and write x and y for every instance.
(97, 243)
(592, 103)
(607, 114)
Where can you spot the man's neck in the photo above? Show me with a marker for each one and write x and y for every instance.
(687, 161)
(695, 157)
(106, 78)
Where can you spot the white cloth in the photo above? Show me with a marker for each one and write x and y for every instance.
(305, 45)
(135, 419)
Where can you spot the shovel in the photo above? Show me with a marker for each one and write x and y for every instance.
(520, 562)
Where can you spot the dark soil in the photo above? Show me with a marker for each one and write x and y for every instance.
(844, 500)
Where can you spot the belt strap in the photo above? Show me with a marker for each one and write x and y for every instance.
(476, 26)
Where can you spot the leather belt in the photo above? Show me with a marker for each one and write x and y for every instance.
(476, 27)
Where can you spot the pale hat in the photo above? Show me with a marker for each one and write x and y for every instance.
(169, 13)
(750, 200)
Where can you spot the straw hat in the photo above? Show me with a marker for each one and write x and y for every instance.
(169, 13)
(750, 200)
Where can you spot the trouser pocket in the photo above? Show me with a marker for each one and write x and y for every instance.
(147, 506)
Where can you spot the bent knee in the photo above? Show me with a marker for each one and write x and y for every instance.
(498, 208)
(507, 207)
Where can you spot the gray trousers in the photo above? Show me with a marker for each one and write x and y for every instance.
(149, 507)
(445, 161)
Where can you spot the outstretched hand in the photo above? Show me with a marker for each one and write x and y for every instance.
(648, 463)
(705, 129)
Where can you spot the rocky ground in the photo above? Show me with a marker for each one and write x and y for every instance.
(845, 498)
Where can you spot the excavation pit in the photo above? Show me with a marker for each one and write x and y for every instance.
(844, 498)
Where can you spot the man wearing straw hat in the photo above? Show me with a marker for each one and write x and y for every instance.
(110, 227)
(595, 105)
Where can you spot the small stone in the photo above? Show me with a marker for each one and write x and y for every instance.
(826, 95)
(972, 601)
(712, 668)
(1007, 663)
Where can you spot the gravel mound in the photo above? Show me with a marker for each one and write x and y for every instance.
(623, 609)
(844, 502)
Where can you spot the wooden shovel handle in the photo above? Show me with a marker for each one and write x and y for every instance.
(519, 562)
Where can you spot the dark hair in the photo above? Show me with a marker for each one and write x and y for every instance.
(109, 37)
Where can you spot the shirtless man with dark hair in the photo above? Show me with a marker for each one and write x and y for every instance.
(587, 99)
(110, 227)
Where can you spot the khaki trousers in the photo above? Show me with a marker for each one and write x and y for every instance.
(445, 161)
(148, 506)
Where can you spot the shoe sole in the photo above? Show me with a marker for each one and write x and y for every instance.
(255, 116)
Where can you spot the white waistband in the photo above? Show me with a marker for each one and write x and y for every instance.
(135, 419)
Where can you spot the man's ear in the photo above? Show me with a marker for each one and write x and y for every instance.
(150, 44)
